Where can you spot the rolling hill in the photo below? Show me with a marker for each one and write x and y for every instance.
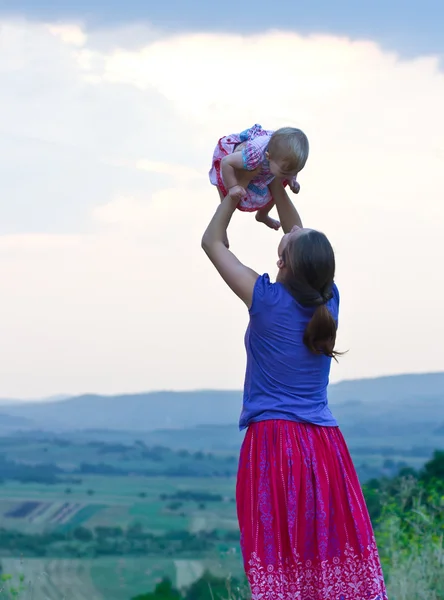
(397, 405)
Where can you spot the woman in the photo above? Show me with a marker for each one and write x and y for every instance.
(305, 529)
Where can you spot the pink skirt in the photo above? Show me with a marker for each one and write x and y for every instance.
(305, 529)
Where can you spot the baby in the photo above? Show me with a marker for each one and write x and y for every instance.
(244, 165)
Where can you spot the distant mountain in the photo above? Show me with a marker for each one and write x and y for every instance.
(392, 388)
(385, 405)
(13, 421)
(55, 398)
(134, 412)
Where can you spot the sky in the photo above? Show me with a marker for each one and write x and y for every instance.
(108, 122)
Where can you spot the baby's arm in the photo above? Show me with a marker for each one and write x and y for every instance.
(239, 168)
(232, 174)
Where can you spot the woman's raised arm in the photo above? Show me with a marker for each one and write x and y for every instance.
(238, 277)
(288, 215)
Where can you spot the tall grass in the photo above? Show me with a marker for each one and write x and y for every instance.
(410, 536)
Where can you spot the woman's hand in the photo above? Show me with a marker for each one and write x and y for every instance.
(237, 192)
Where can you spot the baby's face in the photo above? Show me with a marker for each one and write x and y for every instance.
(278, 170)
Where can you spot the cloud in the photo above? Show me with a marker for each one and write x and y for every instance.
(105, 147)
(69, 34)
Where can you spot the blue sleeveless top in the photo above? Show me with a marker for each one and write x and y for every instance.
(283, 379)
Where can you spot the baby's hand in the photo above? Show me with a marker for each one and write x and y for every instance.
(294, 185)
(237, 192)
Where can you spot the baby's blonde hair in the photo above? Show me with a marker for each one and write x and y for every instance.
(290, 145)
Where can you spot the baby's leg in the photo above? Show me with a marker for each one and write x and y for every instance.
(244, 178)
(263, 216)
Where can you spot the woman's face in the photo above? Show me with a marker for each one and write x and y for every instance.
(291, 235)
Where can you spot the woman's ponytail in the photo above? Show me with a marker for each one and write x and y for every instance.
(320, 334)
(310, 265)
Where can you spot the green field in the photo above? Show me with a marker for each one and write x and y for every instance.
(109, 578)
(106, 520)
(100, 501)
(116, 501)
(119, 578)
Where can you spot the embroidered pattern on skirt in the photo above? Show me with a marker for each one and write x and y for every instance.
(305, 529)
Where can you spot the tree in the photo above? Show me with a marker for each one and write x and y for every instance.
(164, 591)
(433, 471)
(82, 534)
(209, 587)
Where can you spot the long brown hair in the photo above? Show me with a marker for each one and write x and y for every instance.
(310, 263)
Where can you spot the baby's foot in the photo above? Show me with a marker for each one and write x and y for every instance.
(264, 217)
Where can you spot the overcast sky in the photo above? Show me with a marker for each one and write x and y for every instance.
(107, 127)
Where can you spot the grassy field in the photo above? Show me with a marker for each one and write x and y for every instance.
(115, 501)
(33, 508)
(149, 488)
(119, 579)
(106, 578)
(100, 501)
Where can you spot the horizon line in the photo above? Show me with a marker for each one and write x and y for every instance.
(56, 398)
